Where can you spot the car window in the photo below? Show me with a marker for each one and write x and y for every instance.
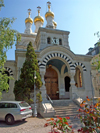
(12, 105)
(2, 105)
(8, 105)
(23, 104)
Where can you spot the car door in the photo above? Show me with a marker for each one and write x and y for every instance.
(2, 111)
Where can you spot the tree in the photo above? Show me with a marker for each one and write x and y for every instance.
(25, 85)
(8, 37)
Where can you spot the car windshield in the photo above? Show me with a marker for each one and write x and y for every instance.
(23, 104)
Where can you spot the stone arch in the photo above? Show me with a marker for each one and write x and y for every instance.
(81, 65)
(39, 63)
(9, 71)
(52, 55)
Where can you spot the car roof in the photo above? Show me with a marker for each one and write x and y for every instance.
(11, 101)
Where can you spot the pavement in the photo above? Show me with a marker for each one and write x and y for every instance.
(33, 125)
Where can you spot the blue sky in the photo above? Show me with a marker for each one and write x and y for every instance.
(80, 17)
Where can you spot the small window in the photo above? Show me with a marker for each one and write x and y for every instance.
(48, 40)
(78, 78)
(60, 41)
(24, 104)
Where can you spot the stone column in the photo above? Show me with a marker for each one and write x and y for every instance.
(72, 83)
(43, 88)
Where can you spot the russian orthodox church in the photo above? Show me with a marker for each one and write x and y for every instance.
(65, 75)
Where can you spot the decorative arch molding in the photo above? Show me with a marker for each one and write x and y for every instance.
(80, 64)
(39, 63)
(9, 70)
(52, 55)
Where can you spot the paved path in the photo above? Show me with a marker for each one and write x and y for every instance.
(31, 125)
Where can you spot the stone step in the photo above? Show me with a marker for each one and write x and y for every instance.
(64, 108)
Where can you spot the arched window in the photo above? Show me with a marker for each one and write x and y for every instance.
(48, 40)
(60, 41)
(78, 78)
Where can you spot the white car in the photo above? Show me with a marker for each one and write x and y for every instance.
(11, 111)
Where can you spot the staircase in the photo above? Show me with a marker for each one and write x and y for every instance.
(65, 108)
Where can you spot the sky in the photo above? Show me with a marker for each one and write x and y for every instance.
(80, 17)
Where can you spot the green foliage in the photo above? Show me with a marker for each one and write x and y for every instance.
(90, 116)
(8, 37)
(1, 4)
(25, 85)
(39, 97)
(96, 62)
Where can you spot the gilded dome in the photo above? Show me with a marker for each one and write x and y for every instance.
(38, 18)
(55, 24)
(29, 20)
(49, 13)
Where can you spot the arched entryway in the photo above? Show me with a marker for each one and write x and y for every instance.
(51, 83)
(67, 86)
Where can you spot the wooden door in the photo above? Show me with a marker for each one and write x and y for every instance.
(48, 86)
(54, 88)
(51, 83)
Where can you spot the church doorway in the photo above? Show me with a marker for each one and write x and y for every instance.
(67, 87)
(51, 83)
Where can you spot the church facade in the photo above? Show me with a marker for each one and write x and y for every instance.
(65, 75)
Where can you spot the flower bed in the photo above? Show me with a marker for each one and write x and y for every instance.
(59, 125)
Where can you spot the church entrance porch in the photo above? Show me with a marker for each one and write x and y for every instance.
(51, 83)
(57, 80)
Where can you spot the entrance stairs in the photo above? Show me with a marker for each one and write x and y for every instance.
(64, 108)
(67, 108)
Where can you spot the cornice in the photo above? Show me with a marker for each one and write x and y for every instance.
(28, 35)
(53, 31)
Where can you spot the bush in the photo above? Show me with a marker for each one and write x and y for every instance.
(89, 115)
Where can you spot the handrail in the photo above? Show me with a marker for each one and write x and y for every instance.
(49, 99)
(77, 96)
(45, 107)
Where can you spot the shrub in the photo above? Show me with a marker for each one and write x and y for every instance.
(89, 115)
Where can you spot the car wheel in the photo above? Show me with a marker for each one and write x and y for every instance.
(9, 119)
(23, 119)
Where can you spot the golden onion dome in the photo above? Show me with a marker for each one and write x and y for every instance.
(29, 20)
(49, 13)
(38, 18)
(55, 24)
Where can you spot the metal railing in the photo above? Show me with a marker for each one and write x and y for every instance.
(49, 99)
